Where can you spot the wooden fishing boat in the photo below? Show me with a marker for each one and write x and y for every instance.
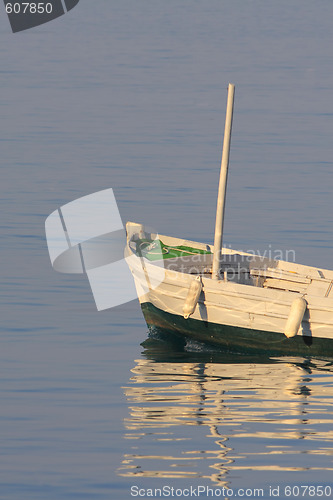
(228, 298)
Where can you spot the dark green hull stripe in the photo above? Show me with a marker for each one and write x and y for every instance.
(237, 339)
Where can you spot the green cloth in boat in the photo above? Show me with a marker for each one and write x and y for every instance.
(156, 250)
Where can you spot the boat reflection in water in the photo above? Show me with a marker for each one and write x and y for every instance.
(204, 414)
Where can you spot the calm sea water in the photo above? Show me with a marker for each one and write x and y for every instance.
(131, 95)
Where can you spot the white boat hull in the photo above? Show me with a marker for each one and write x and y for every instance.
(232, 313)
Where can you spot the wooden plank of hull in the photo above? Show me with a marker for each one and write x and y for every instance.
(232, 304)
(236, 339)
(241, 306)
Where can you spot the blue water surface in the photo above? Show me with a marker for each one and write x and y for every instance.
(131, 95)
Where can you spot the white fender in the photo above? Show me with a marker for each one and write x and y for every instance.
(192, 297)
(295, 317)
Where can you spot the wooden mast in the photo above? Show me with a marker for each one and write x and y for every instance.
(218, 237)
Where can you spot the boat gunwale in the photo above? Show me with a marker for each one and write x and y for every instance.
(256, 292)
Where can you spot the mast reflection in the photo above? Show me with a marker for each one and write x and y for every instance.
(205, 414)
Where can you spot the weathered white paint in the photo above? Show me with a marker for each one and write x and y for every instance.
(295, 317)
(192, 298)
(242, 305)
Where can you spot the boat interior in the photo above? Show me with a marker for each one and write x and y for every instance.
(195, 258)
